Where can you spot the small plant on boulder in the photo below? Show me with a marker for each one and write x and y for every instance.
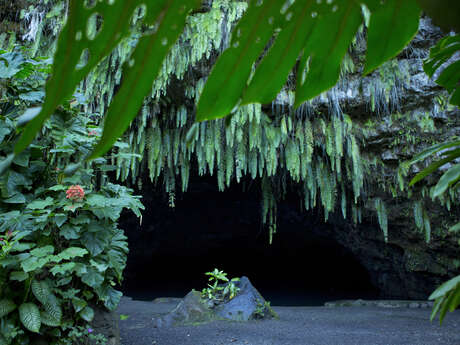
(220, 288)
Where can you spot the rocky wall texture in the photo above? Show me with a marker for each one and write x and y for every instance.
(396, 111)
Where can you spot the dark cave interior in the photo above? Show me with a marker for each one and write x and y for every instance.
(207, 229)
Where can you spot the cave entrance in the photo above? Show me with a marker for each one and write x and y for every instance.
(209, 229)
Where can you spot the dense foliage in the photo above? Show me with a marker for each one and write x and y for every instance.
(61, 252)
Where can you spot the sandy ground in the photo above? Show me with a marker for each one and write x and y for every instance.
(296, 326)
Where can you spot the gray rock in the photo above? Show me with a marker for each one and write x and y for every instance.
(247, 305)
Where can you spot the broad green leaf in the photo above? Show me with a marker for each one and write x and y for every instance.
(92, 278)
(391, 28)
(5, 163)
(109, 295)
(266, 83)
(148, 57)
(40, 204)
(33, 263)
(326, 47)
(42, 251)
(72, 252)
(70, 232)
(30, 317)
(450, 177)
(6, 307)
(63, 269)
(432, 150)
(450, 79)
(15, 199)
(47, 319)
(41, 290)
(57, 187)
(87, 314)
(53, 309)
(19, 276)
(440, 53)
(444, 288)
(434, 166)
(59, 219)
(233, 67)
(78, 304)
(10, 64)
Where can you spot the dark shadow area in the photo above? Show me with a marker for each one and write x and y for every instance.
(173, 248)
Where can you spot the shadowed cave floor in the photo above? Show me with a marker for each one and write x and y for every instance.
(296, 326)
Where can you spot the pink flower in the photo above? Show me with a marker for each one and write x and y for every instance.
(92, 133)
(75, 193)
(90, 330)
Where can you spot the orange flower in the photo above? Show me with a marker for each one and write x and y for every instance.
(75, 193)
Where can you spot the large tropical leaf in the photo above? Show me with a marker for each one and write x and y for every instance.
(325, 49)
(445, 13)
(454, 154)
(447, 298)
(449, 178)
(391, 28)
(30, 317)
(232, 69)
(138, 78)
(273, 71)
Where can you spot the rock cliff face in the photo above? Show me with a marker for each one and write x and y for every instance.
(393, 123)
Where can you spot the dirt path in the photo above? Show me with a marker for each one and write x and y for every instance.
(296, 326)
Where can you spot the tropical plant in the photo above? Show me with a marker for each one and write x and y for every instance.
(447, 296)
(220, 287)
(62, 253)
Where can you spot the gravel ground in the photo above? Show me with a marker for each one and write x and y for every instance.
(296, 326)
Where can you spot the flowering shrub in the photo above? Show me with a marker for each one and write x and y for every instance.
(61, 252)
(75, 193)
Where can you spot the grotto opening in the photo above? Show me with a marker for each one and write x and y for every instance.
(173, 247)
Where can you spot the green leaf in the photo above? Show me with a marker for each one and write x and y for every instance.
(53, 309)
(57, 187)
(233, 67)
(49, 320)
(30, 317)
(78, 304)
(450, 177)
(110, 296)
(42, 251)
(391, 28)
(15, 199)
(444, 288)
(10, 64)
(72, 252)
(63, 268)
(326, 47)
(147, 56)
(266, 84)
(455, 228)
(92, 278)
(434, 166)
(6, 307)
(60, 219)
(432, 150)
(5, 164)
(69, 232)
(441, 53)
(41, 290)
(19, 276)
(87, 314)
(40, 204)
(33, 263)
